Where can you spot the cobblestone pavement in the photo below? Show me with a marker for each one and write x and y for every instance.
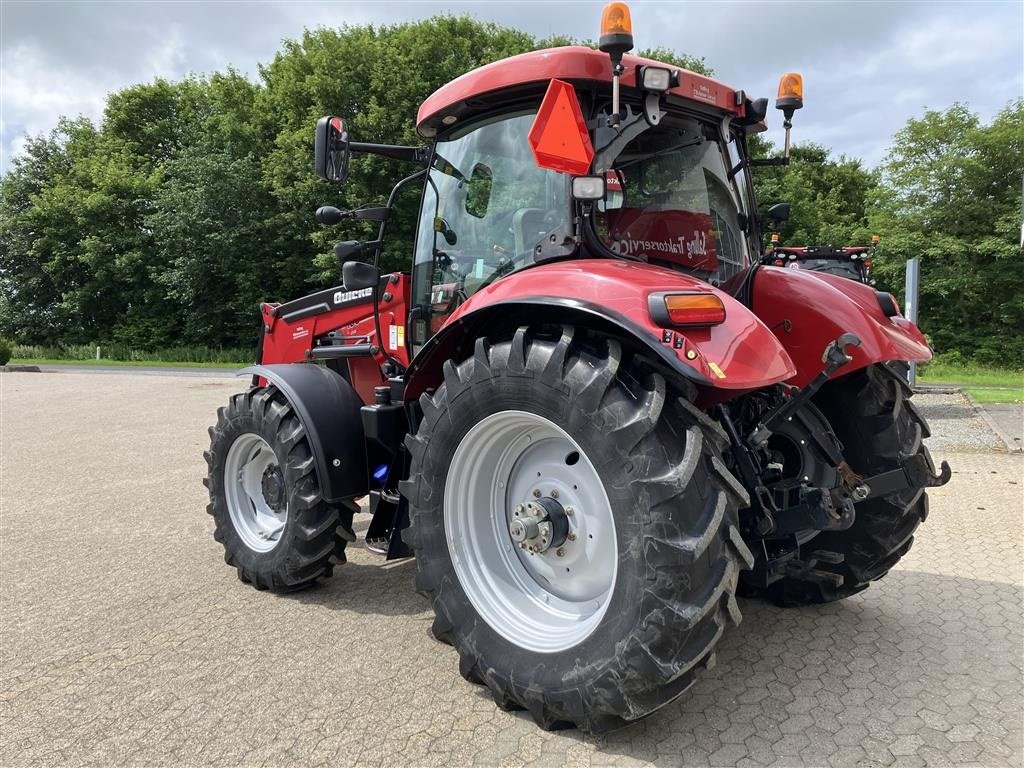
(126, 640)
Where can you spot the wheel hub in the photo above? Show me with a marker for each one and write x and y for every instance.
(272, 485)
(539, 524)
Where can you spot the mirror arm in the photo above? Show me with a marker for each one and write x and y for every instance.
(418, 155)
(768, 161)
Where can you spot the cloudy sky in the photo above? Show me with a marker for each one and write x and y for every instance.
(867, 66)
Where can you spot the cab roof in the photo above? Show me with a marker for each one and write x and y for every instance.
(572, 63)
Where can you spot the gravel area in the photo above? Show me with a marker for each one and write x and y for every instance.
(125, 640)
(956, 424)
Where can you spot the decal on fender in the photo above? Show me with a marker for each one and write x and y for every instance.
(716, 370)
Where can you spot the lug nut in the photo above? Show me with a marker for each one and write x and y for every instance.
(572, 537)
(522, 545)
(536, 494)
(554, 493)
(519, 508)
(568, 511)
(560, 552)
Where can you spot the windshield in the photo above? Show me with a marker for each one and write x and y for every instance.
(670, 201)
(486, 207)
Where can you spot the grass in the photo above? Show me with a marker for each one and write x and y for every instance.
(986, 384)
(1002, 395)
(125, 363)
(940, 372)
(121, 353)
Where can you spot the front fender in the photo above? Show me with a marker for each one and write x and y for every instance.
(329, 410)
(739, 354)
(806, 310)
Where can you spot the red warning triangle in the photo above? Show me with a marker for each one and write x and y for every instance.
(559, 137)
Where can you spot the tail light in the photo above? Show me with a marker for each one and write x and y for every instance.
(682, 309)
(868, 263)
(779, 262)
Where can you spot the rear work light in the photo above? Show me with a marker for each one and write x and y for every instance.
(683, 309)
(888, 303)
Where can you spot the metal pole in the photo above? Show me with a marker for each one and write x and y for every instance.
(910, 306)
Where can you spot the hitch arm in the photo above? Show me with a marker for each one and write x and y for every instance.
(914, 472)
(834, 357)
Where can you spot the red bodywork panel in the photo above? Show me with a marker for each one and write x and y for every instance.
(290, 340)
(807, 310)
(567, 63)
(745, 353)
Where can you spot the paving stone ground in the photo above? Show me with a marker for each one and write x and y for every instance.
(124, 639)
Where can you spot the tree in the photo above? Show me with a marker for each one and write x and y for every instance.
(951, 196)
(192, 201)
(828, 196)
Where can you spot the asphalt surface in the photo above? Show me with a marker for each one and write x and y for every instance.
(124, 639)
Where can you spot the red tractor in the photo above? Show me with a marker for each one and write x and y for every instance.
(852, 261)
(587, 409)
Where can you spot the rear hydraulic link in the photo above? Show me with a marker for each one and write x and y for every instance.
(834, 357)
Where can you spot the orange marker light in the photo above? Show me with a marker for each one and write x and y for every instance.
(791, 93)
(875, 239)
(615, 20)
(694, 309)
(775, 238)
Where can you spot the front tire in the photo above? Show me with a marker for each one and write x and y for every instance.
(276, 529)
(618, 624)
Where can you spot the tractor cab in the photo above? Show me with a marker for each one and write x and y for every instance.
(570, 153)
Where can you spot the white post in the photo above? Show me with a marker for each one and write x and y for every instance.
(910, 306)
(97, 352)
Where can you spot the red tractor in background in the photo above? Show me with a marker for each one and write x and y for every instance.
(852, 261)
(587, 410)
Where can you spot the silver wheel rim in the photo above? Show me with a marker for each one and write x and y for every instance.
(545, 601)
(257, 523)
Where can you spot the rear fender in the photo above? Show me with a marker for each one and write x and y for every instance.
(612, 296)
(328, 408)
(807, 310)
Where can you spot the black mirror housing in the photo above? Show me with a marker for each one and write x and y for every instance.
(331, 149)
(358, 275)
(779, 212)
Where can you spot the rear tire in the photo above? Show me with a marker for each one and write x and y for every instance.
(672, 509)
(871, 414)
(276, 529)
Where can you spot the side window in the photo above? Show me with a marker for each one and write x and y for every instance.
(486, 207)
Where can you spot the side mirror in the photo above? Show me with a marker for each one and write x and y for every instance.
(478, 191)
(331, 150)
(358, 275)
(777, 214)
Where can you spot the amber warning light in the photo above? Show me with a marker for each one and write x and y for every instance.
(615, 20)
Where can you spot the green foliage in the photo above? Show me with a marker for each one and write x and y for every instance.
(828, 196)
(123, 353)
(5, 351)
(951, 196)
